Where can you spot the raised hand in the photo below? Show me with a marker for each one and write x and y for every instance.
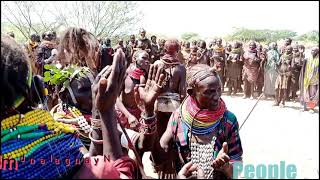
(146, 96)
(109, 82)
(222, 157)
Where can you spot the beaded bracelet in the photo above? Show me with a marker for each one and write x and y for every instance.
(147, 118)
(95, 123)
(83, 124)
(94, 140)
(148, 128)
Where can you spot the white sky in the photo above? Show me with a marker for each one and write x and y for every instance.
(218, 18)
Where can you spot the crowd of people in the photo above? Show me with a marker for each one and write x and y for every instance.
(76, 97)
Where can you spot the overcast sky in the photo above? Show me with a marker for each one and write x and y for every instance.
(218, 18)
(209, 19)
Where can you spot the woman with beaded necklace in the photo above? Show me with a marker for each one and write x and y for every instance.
(33, 134)
(202, 129)
(37, 136)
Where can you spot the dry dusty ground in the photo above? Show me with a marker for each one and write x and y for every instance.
(274, 134)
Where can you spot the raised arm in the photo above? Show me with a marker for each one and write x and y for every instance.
(97, 148)
(109, 87)
(145, 96)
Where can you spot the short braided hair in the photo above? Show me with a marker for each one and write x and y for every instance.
(199, 72)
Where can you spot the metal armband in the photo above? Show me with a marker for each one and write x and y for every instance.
(95, 123)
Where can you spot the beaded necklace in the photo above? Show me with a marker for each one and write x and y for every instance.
(136, 73)
(202, 121)
(56, 149)
(72, 115)
(218, 49)
(36, 135)
(21, 132)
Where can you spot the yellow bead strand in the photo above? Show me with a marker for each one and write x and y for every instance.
(24, 150)
(36, 117)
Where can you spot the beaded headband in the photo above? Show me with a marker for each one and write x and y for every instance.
(21, 98)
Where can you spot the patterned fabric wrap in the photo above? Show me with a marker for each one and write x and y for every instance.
(273, 59)
(311, 82)
(251, 66)
(312, 72)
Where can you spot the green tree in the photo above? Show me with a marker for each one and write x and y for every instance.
(189, 36)
(102, 18)
(312, 36)
(260, 35)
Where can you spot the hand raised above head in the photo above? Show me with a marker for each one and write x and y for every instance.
(108, 83)
(147, 92)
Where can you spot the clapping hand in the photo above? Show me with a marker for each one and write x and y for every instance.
(146, 96)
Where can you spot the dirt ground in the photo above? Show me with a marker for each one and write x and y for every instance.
(274, 134)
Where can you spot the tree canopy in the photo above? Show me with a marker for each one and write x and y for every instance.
(312, 36)
(189, 36)
(264, 35)
(102, 18)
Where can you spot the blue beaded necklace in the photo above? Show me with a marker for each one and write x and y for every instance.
(67, 143)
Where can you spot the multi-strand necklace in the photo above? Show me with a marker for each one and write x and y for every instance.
(36, 135)
(202, 121)
(73, 116)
